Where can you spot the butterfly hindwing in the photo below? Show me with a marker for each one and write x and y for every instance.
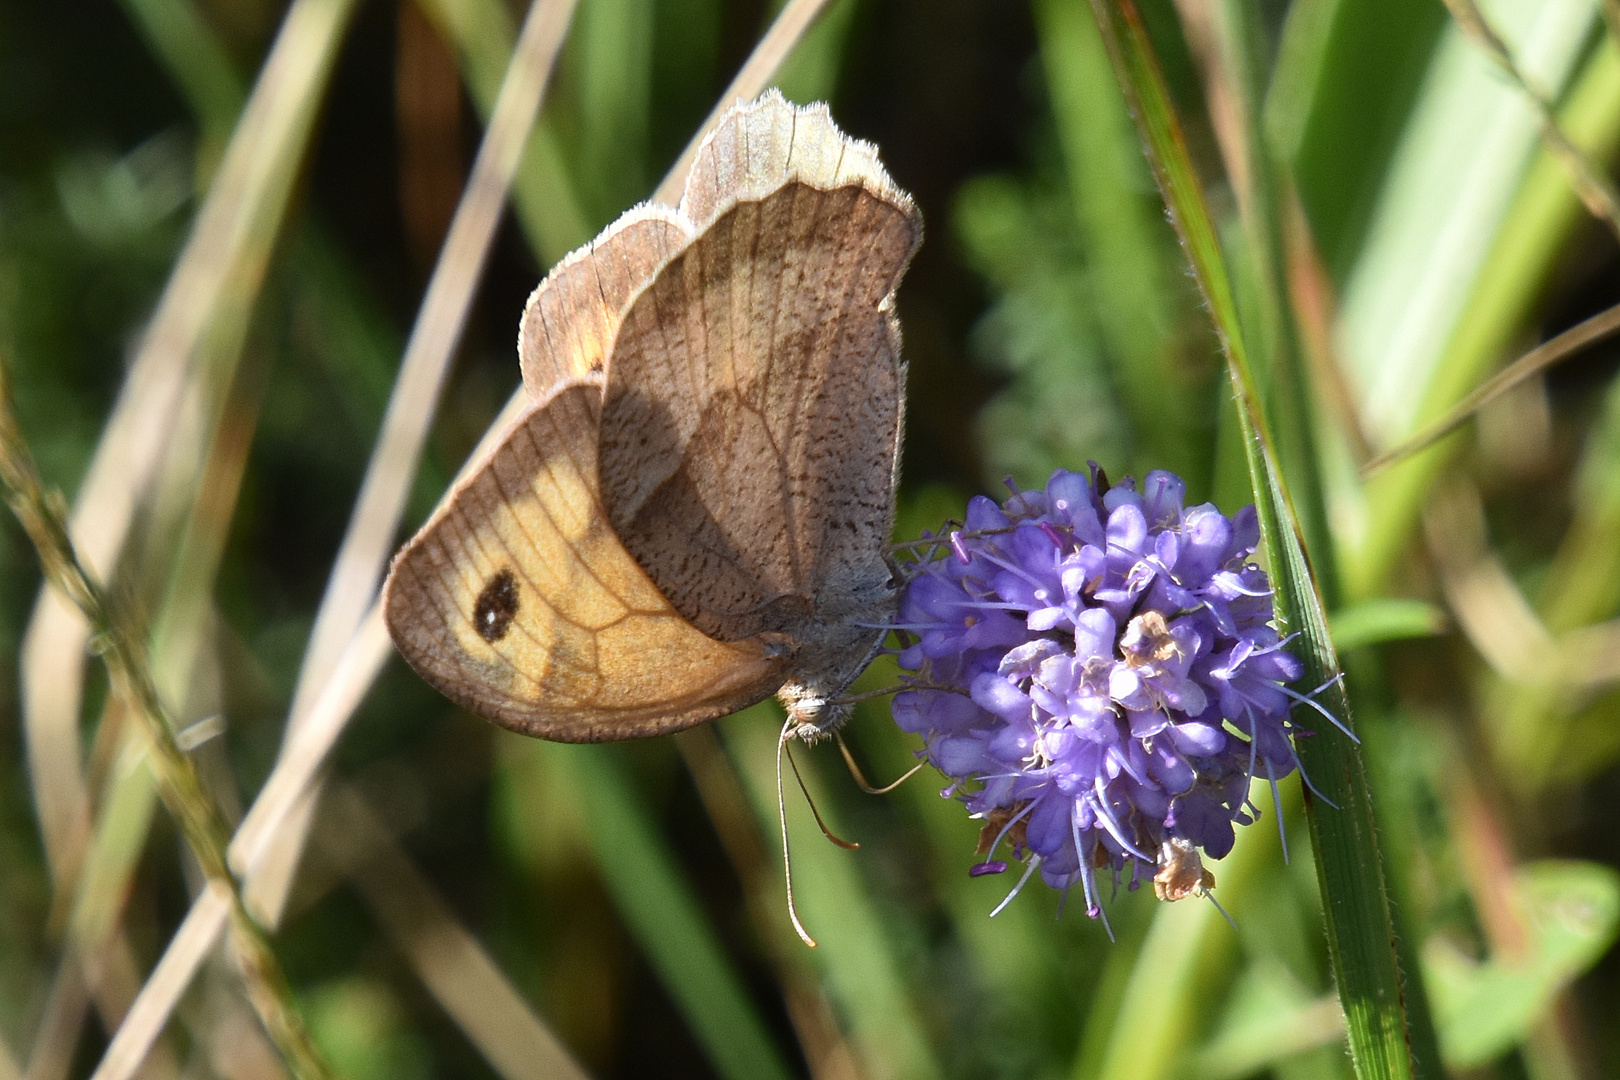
(571, 317)
(517, 601)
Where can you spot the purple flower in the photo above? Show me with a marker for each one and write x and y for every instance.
(1095, 670)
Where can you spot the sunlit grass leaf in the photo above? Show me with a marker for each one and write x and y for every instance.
(661, 908)
(1349, 864)
(1135, 293)
(1461, 246)
(1571, 910)
(1384, 620)
(1188, 948)
(1532, 364)
(1271, 1017)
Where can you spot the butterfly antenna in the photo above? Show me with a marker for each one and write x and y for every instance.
(860, 777)
(847, 845)
(1211, 898)
(868, 695)
(787, 857)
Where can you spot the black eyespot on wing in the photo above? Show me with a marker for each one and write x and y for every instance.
(496, 607)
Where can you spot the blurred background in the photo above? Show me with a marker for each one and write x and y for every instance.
(1398, 231)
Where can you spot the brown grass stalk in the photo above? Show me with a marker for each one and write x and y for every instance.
(44, 518)
(451, 963)
(215, 280)
(1591, 184)
(374, 521)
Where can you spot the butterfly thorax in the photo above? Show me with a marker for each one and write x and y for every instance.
(832, 652)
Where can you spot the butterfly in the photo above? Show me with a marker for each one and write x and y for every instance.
(690, 515)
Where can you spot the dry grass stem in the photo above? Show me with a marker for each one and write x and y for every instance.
(125, 783)
(1591, 184)
(44, 519)
(751, 79)
(273, 832)
(756, 72)
(1489, 608)
(1544, 356)
(1315, 308)
(261, 833)
(1228, 107)
(213, 284)
(56, 1034)
(451, 963)
(374, 520)
(114, 980)
(725, 802)
(1591, 655)
(156, 1001)
(293, 779)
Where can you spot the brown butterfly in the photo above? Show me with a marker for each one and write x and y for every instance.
(690, 517)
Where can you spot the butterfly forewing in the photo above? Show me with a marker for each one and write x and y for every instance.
(518, 601)
(759, 146)
(752, 411)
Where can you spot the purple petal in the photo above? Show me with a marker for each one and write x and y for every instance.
(995, 694)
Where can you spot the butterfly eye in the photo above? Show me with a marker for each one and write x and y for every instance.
(496, 606)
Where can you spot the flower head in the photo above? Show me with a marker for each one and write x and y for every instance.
(1096, 671)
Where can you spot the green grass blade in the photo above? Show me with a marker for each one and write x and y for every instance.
(195, 59)
(1539, 728)
(1589, 178)
(1263, 190)
(611, 49)
(1349, 865)
(197, 330)
(858, 956)
(1373, 621)
(1188, 943)
(1486, 1008)
(544, 194)
(1128, 251)
(1571, 342)
(810, 72)
(662, 911)
(1583, 585)
(1423, 321)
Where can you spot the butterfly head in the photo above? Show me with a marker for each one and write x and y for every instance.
(812, 716)
(828, 661)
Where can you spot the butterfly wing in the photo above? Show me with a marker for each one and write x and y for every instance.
(517, 601)
(752, 411)
(751, 415)
(749, 442)
(761, 145)
(572, 315)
